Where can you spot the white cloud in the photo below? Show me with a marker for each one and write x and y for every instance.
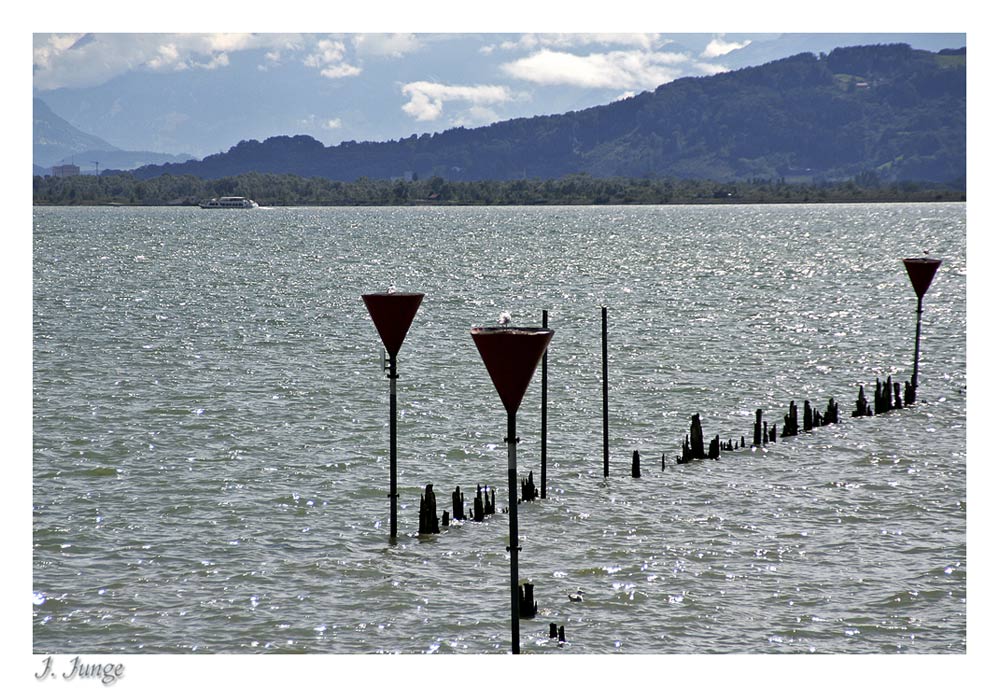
(536, 41)
(313, 122)
(718, 47)
(708, 69)
(166, 57)
(427, 99)
(328, 57)
(386, 45)
(339, 71)
(474, 116)
(633, 69)
(81, 60)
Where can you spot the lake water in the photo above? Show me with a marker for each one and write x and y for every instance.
(210, 459)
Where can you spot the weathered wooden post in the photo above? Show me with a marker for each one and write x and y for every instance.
(528, 490)
(758, 428)
(791, 427)
(428, 512)
(511, 355)
(832, 413)
(604, 369)
(392, 312)
(921, 272)
(636, 471)
(697, 438)
(458, 503)
(861, 407)
(527, 607)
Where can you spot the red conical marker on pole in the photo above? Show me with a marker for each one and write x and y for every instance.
(921, 272)
(392, 312)
(511, 355)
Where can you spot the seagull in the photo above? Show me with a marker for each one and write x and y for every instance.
(576, 597)
(504, 319)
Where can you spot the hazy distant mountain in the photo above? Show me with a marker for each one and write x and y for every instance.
(57, 142)
(886, 110)
(55, 139)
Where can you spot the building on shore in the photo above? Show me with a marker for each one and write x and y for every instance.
(65, 171)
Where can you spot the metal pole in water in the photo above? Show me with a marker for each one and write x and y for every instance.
(515, 611)
(393, 492)
(545, 400)
(604, 359)
(916, 347)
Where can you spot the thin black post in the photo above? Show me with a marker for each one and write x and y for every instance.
(916, 348)
(393, 496)
(545, 399)
(604, 358)
(512, 499)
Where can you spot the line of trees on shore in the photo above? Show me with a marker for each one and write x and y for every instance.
(575, 189)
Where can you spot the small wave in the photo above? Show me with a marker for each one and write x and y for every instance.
(102, 472)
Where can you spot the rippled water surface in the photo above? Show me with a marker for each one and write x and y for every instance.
(211, 431)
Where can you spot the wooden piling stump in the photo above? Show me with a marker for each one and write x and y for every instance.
(636, 473)
(527, 607)
(478, 511)
(697, 438)
(861, 406)
(791, 421)
(528, 490)
(428, 512)
(832, 413)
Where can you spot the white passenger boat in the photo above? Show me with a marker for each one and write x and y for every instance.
(229, 202)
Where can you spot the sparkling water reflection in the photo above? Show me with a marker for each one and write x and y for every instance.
(211, 452)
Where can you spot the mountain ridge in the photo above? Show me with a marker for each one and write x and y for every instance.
(884, 110)
(57, 142)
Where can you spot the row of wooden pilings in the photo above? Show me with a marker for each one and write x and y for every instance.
(484, 504)
(887, 398)
(392, 316)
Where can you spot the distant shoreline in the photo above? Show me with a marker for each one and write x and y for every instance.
(285, 190)
(515, 205)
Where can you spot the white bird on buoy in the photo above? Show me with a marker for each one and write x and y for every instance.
(504, 319)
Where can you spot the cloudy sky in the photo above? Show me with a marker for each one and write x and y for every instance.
(199, 92)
